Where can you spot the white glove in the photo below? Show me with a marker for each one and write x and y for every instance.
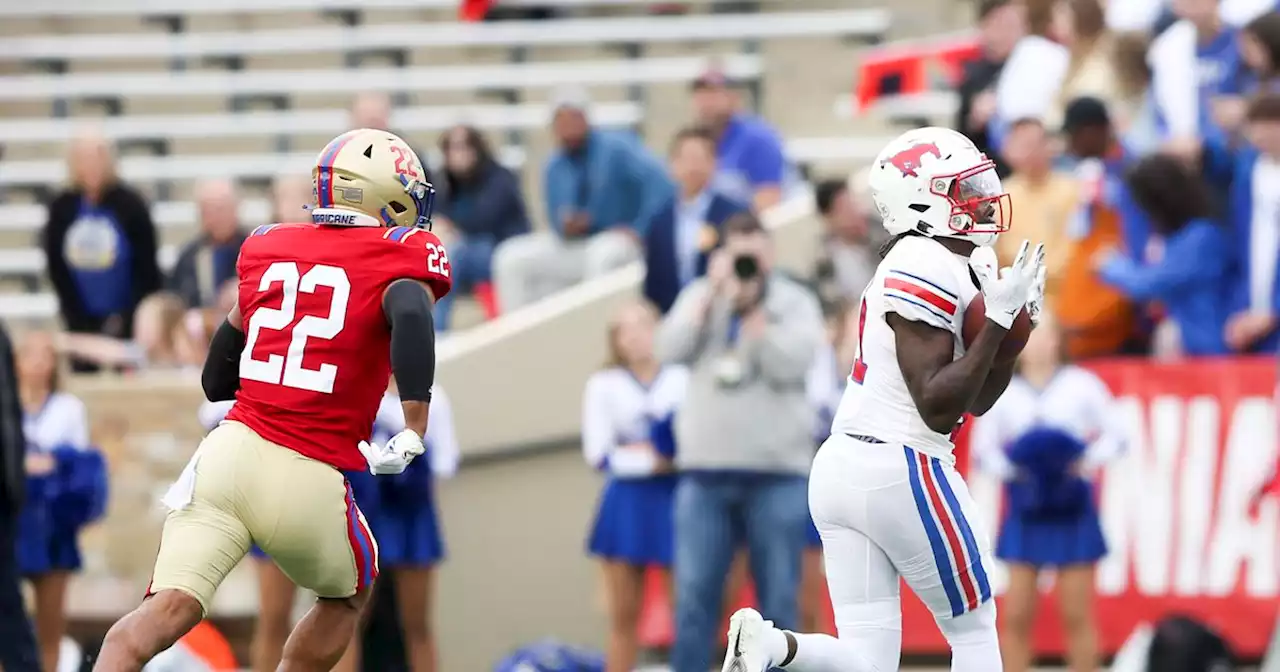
(1035, 296)
(394, 457)
(1005, 292)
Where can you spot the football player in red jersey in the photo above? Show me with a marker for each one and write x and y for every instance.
(304, 353)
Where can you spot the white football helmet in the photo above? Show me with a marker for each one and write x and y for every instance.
(934, 181)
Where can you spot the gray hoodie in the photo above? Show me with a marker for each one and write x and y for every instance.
(764, 423)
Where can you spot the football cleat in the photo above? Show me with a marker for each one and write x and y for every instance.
(746, 652)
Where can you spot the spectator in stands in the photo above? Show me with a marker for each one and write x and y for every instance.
(1096, 319)
(1080, 25)
(291, 195)
(1045, 199)
(371, 109)
(849, 254)
(56, 425)
(478, 205)
(1259, 46)
(1203, 43)
(748, 335)
(208, 262)
(100, 244)
(1252, 173)
(1189, 275)
(18, 651)
(1001, 23)
(627, 433)
(681, 235)
(1053, 429)
(601, 190)
(1259, 43)
(164, 339)
(1030, 84)
(1137, 121)
(751, 162)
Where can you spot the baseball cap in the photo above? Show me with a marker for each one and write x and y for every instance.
(1084, 112)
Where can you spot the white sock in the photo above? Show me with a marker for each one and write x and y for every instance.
(775, 645)
(824, 653)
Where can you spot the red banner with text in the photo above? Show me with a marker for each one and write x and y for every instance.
(1175, 508)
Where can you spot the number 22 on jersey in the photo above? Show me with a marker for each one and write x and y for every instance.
(287, 369)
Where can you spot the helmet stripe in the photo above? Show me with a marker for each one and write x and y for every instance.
(324, 174)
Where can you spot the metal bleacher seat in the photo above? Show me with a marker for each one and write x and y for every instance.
(184, 84)
(145, 169)
(150, 169)
(320, 122)
(385, 37)
(90, 8)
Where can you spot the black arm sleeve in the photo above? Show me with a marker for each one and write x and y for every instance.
(413, 339)
(221, 375)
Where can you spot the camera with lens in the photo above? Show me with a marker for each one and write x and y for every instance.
(746, 266)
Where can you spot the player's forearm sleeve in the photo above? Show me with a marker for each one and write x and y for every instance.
(221, 375)
(413, 339)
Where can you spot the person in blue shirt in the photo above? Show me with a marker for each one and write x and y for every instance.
(751, 161)
(601, 190)
(1258, 47)
(682, 235)
(1251, 173)
(1188, 277)
(100, 244)
(209, 262)
(478, 205)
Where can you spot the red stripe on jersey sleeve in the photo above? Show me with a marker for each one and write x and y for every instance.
(920, 291)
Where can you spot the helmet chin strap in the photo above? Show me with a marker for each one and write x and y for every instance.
(343, 217)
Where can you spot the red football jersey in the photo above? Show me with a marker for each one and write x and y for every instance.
(317, 350)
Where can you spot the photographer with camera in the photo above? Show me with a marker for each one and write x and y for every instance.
(748, 335)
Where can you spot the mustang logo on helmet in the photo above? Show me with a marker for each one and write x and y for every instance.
(908, 160)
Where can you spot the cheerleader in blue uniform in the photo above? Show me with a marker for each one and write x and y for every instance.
(66, 488)
(276, 591)
(1045, 438)
(402, 515)
(627, 433)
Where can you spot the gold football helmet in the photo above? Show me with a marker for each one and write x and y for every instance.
(368, 177)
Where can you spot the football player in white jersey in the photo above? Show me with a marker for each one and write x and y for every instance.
(884, 492)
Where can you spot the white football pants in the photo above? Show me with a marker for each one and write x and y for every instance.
(885, 511)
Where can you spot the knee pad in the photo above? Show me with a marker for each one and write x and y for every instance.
(975, 626)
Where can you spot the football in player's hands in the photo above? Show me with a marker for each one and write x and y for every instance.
(975, 315)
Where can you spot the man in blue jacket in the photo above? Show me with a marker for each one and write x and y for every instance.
(682, 235)
(601, 190)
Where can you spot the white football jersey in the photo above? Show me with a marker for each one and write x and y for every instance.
(919, 280)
